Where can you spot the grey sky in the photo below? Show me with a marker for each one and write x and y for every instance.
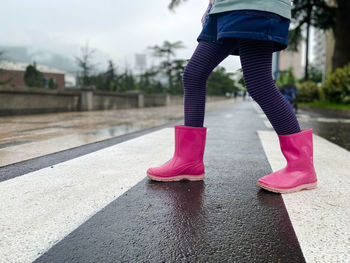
(118, 29)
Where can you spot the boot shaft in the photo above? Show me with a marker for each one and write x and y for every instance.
(190, 142)
(297, 148)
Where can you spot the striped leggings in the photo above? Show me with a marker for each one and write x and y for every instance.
(256, 61)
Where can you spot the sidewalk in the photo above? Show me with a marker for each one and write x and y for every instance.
(30, 136)
(96, 205)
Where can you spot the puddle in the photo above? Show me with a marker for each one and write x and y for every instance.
(48, 127)
(9, 144)
(117, 130)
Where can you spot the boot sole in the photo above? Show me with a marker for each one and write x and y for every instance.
(176, 178)
(290, 190)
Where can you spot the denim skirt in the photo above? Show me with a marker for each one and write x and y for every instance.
(252, 24)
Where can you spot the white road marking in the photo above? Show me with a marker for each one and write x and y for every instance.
(320, 217)
(40, 208)
(263, 116)
(305, 117)
(333, 120)
(268, 124)
(257, 108)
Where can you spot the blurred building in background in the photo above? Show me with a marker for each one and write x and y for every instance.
(140, 62)
(329, 49)
(323, 50)
(292, 59)
(13, 74)
(284, 59)
(319, 50)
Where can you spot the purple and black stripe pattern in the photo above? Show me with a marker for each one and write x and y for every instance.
(204, 59)
(256, 60)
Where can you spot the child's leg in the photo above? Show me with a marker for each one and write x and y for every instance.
(256, 60)
(204, 59)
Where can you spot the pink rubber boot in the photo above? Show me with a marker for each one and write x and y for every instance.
(187, 161)
(299, 173)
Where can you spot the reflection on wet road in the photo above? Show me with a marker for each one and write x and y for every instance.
(30, 136)
(330, 127)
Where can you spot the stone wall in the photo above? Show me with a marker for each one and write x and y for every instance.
(15, 101)
(113, 101)
(32, 100)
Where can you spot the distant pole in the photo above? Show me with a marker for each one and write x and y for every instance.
(141, 62)
(306, 74)
(276, 65)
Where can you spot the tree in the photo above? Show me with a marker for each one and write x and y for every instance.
(148, 84)
(315, 74)
(177, 68)
(52, 84)
(110, 76)
(220, 82)
(166, 51)
(341, 31)
(239, 75)
(286, 77)
(316, 13)
(175, 3)
(98, 81)
(321, 14)
(126, 81)
(33, 77)
(85, 64)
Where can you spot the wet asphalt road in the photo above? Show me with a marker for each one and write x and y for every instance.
(329, 126)
(226, 218)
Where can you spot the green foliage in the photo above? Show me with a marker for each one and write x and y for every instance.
(97, 81)
(52, 84)
(220, 82)
(315, 74)
(241, 82)
(327, 105)
(168, 67)
(110, 77)
(286, 77)
(316, 13)
(177, 67)
(175, 3)
(148, 84)
(322, 15)
(337, 86)
(33, 77)
(151, 81)
(113, 81)
(126, 81)
(308, 91)
(294, 38)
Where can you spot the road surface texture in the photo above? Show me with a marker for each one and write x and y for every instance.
(93, 203)
(29, 136)
(329, 126)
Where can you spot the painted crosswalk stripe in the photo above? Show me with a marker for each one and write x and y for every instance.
(321, 217)
(40, 208)
(268, 124)
(50, 203)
